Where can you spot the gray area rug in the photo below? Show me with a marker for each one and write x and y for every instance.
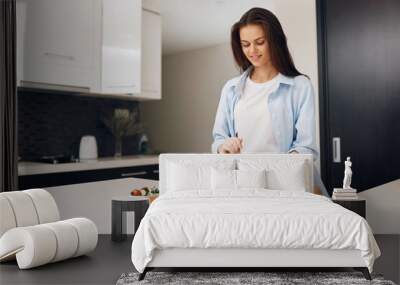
(231, 278)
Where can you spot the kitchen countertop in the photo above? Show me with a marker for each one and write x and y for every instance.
(31, 168)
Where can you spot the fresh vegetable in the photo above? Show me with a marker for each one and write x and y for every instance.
(136, 192)
(145, 191)
(154, 190)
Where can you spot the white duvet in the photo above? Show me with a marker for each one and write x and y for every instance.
(252, 218)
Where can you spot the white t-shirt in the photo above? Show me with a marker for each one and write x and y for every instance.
(253, 119)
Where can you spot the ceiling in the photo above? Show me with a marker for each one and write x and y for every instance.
(194, 24)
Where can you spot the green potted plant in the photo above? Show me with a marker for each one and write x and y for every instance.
(123, 122)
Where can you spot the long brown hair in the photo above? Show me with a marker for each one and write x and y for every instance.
(279, 51)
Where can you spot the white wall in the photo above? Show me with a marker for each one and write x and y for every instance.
(182, 121)
(383, 207)
(93, 200)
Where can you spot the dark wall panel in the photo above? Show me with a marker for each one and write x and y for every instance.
(52, 123)
(360, 57)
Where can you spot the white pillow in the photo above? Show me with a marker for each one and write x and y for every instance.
(237, 179)
(183, 177)
(283, 174)
(188, 175)
(293, 178)
(223, 179)
(251, 178)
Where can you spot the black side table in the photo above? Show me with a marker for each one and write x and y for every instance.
(122, 204)
(357, 206)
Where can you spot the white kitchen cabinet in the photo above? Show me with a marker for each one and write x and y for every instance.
(151, 55)
(121, 46)
(91, 46)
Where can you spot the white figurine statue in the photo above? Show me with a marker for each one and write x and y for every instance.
(347, 174)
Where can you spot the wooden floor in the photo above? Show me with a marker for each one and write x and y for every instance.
(111, 259)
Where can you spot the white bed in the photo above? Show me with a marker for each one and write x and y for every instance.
(201, 223)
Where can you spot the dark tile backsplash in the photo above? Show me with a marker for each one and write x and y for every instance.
(51, 123)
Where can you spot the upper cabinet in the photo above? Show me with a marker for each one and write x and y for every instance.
(59, 44)
(89, 46)
(151, 54)
(121, 46)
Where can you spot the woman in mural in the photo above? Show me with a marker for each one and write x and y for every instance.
(269, 108)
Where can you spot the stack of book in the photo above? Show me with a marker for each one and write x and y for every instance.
(344, 194)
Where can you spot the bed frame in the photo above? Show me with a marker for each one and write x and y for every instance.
(246, 259)
(242, 259)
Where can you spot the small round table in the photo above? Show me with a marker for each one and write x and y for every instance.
(121, 204)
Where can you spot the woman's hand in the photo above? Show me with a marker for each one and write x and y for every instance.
(231, 145)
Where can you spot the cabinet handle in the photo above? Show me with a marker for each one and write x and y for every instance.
(151, 11)
(133, 173)
(150, 90)
(121, 86)
(51, 54)
(336, 149)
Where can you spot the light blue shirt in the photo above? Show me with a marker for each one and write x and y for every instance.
(292, 116)
(292, 113)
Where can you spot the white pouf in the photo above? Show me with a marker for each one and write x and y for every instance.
(31, 233)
